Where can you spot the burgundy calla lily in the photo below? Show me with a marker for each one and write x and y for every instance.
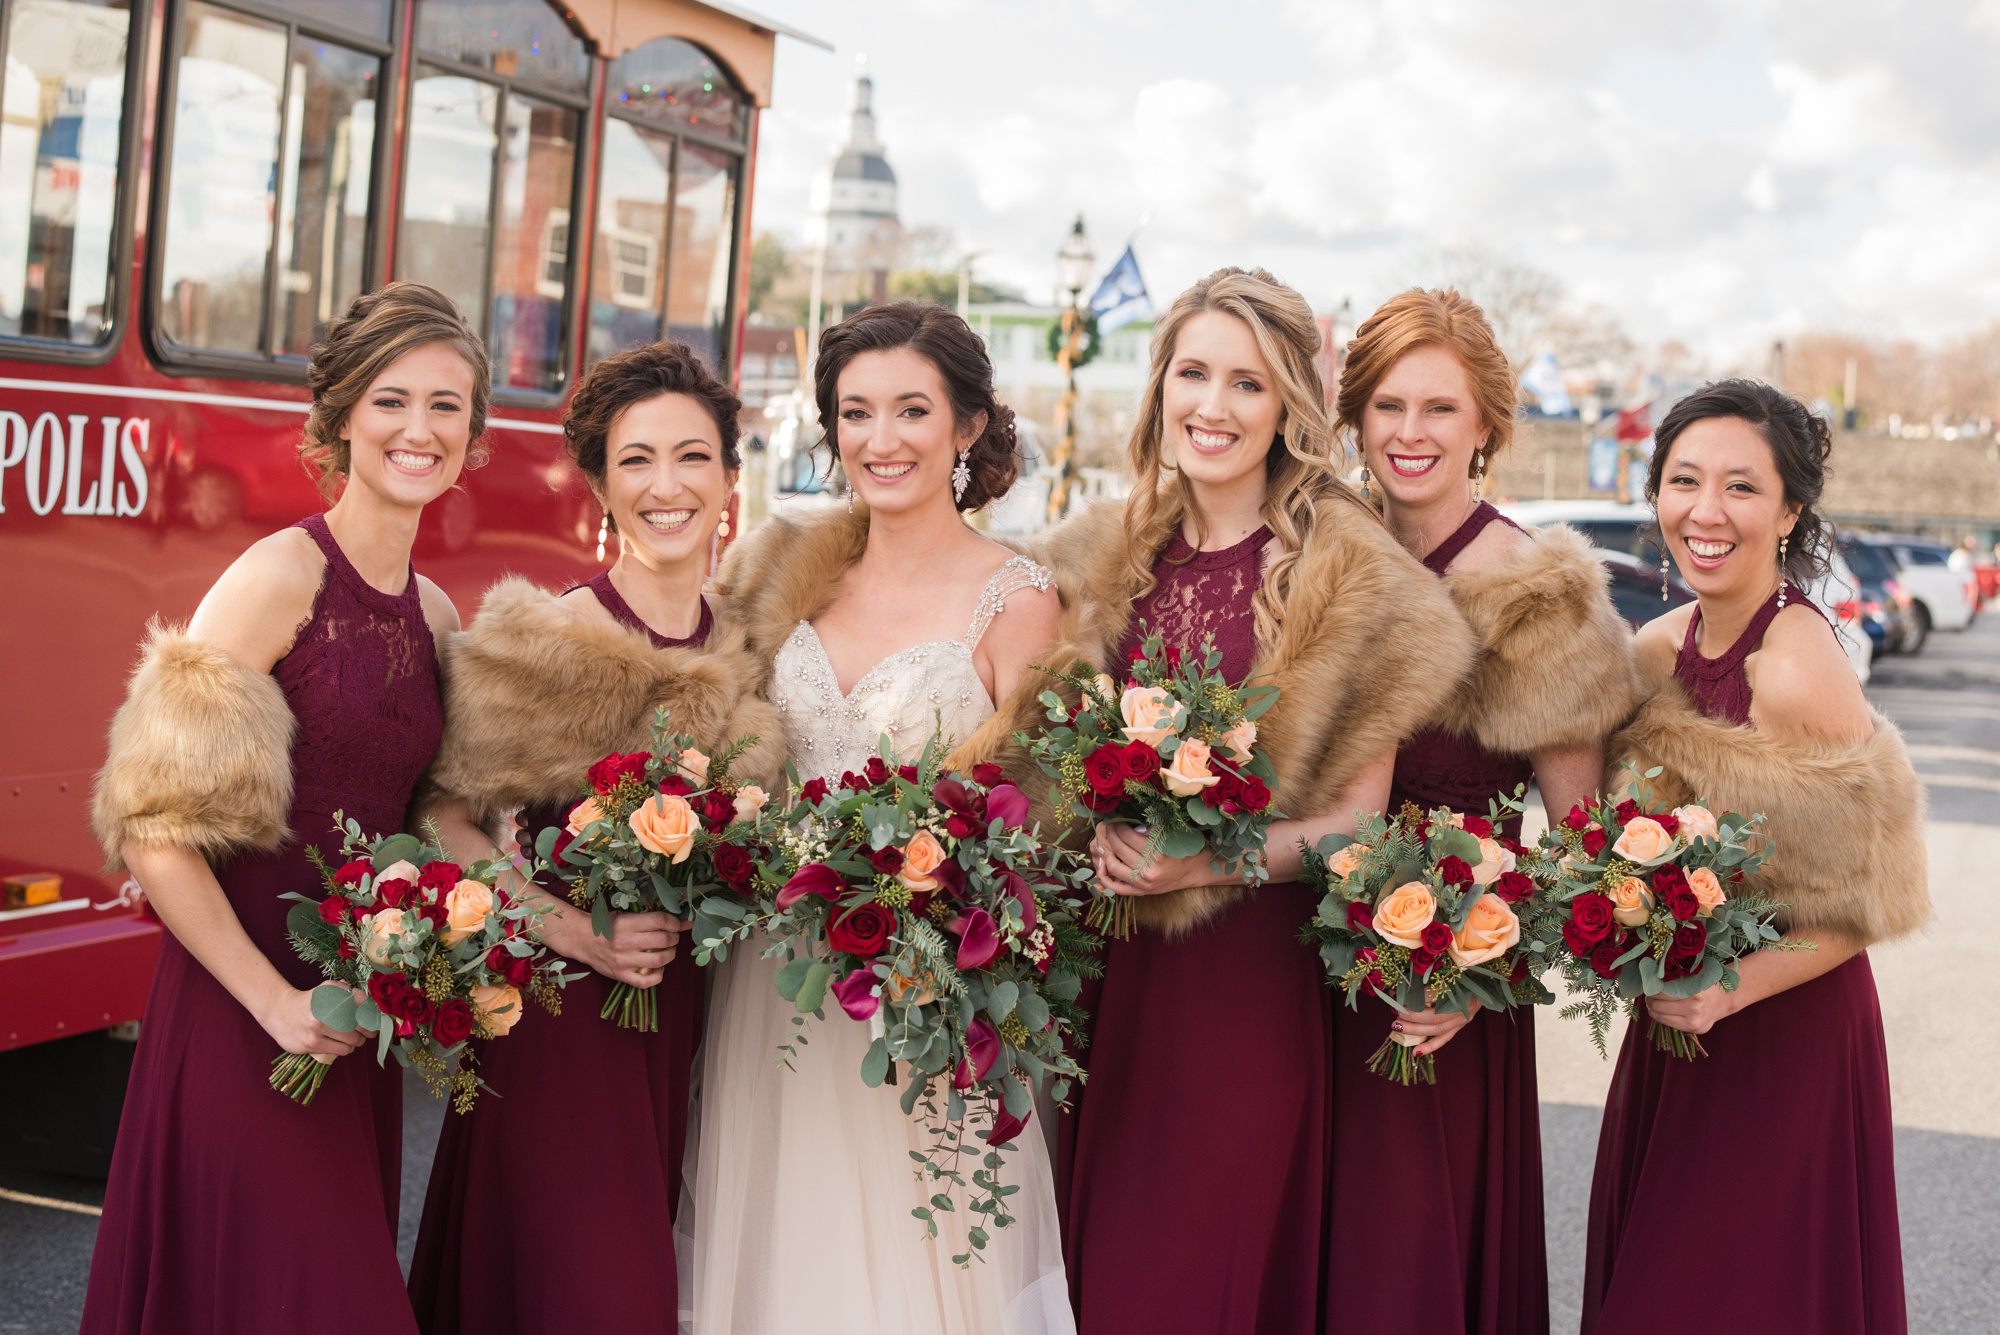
(815, 878)
(1009, 804)
(982, 1049)
(1024, 895)
(1006, 1126)
(858, 994)
(978, 938)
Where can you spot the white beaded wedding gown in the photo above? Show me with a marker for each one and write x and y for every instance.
(801, 1184)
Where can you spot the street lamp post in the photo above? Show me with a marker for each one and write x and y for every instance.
(1073, 264)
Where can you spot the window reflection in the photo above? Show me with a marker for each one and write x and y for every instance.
(63, 94)
(523, 39)
(369, 16)
(630, 255)
(676, 83)
(448, 190)
(329, 142)
(531, 244)
(698, 266)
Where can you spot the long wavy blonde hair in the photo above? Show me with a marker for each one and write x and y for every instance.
(1300, 475)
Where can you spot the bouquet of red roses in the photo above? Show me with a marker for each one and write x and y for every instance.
(1174, 751)
(1654, 903)
(1434, 910)
(427, 955)
(913, 896)
(659, 831)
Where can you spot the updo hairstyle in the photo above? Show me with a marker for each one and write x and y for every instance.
(947, 343)
(634, 376)
(1418, 318)
(1800, 442)
(376, 328)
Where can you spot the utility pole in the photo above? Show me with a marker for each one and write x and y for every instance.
(1073, 264)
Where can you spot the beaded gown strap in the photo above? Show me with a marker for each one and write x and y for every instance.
(1719, 687)
(612, 601)
(1446, 552)
(1019, 573)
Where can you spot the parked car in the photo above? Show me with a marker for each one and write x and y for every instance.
(1883, 604)
(1940, 598)
(1635, 588)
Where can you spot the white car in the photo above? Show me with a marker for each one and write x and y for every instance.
(1940, 598)
(1619, 527)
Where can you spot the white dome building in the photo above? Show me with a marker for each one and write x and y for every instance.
(852, 212)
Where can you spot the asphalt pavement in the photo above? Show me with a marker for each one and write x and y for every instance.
(1944, 1076)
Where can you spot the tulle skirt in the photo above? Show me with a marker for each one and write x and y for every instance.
(801, 1186)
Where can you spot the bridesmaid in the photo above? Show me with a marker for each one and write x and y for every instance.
(540, 688)
(307, 683)
(1196, 1155)
(1451, 1173)
(1758, 710)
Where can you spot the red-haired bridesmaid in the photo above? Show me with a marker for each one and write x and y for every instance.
(1775, 1150)
(540, 687)
(307, 683)
(1450, 1175)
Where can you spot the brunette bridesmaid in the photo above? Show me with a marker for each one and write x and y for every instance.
(1196, 1155)
(307, 683)
(1450, 1175)
(540, 687)
(1772, 1156)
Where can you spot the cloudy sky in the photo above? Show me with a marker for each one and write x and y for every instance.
(1718, 171)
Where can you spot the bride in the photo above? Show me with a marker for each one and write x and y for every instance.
(892, 618)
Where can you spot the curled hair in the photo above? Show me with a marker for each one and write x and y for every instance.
(376, 328)
(947, 343)
(1415, 319)
(1299, 471)
(1800, 442)
(634, 376)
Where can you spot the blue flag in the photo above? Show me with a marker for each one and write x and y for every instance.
(1121, 298)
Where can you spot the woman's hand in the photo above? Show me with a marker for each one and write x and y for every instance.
(290, 1022)
(1435, 1027)
(1118, 854)
(640, 946)
(1696, 1014)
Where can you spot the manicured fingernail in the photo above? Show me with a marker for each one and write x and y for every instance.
(1397, 1026)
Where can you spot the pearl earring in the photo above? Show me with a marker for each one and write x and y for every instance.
(722, 521)
(1663, 576)
(1784, 543)
(850, 499)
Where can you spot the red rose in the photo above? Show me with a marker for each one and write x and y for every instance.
(615, 769)
(347, 950)
(887, 861)
(1437, 937)
(1104, 769)
(1520, 968)
(333, 910)
(1138, 654)
(517, 970)
(1668, 879)
(862, 930)
(1255, 796)
(438, 878)
(563, 840)
(853, 782)
(1375, 980)
(676, 785)
(1141, 762)
(1359, 919)
(1591, 914)
(1173, 656)
(814, 792)
(1454, 871)
(718, 809)
(1669, 822)
(395, 892)
(1577, 819)
(1628, 811)
(1681, 902)
(1103, 803)
(1593, 842)
(1604, 957)
(454, 1022)
(732, 866)
(1478, 827)
(435, 914)
(1690, 941)
(876, 772)
(961, 827)
(350, 873)
(1514, 846)
(419, 1009)
(985, 775)
(383, 988)
(1423, 961)
(1513, 886)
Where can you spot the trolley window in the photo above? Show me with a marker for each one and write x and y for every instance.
(64, 97)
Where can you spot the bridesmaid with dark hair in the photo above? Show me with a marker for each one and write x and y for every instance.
(1452, 1173)
(1757, 710)
(307, 683)
(540, 687)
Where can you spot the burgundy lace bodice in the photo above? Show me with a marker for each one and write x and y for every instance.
(1436, 768)
(1199, 594)
(1719, 687)
(362, 680)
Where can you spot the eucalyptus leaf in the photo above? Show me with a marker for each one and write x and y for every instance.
(333, 1006)
(1017, 1098)
(1000, 1000)
(812, 992)
(791, 976)
(600, 917)
(1181, 843)
(1332, 844)
(1033, 1011)
(545, 844)
(875, 1065)
(397, 848)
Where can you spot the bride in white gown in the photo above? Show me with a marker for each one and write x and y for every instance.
(802, 1181)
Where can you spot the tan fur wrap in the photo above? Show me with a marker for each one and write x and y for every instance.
(536, 692)
(1846, 819)
(1370, 647)
(200, 755)
(1555, 665)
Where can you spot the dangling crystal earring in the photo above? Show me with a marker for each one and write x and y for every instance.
(1784, 542)
(1364, 482)
(850, 498)
(961, 475)
(1479, 477)
(1663, 576)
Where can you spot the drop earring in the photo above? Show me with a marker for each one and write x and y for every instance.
(1784, 543)
(850, 498)
(603, 534)
(961, 475)
(1663, 576)
(1364, 482)
(1479, 476)
(722, 520)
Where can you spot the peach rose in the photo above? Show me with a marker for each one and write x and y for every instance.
(383, 929)
(1344, 863)
(1148, 713)
(1239, 739)
(750, 800)
(1643, 840)
(1403, 913)
(921, 856)
(667, 825)
(902, 989)
(1494, 862)
(1707, 889)
(1189, 773)
(693, 767)
(399, 871)
(1697, 822)
(1631, 902)
(1105, 686)
(497, 1008)
(582, 814)
(1490, 931)
(465, 909)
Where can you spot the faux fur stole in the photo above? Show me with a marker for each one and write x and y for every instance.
(1846, 818)
(1369, 647)
(200, 755)
(1555, 665)
(536, 691)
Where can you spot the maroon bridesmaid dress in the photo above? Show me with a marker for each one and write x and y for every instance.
(230, 1207)
(552, 1202)
(1437, 1189)
(1767, 1166)
(1194, 1162)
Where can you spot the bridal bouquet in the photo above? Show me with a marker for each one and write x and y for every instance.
(1432, 910)
(915, 899)
(1174, 751)
(660, 830)
(1653, 904)
(426, 955)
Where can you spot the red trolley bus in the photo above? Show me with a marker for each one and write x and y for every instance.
(189, 190)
